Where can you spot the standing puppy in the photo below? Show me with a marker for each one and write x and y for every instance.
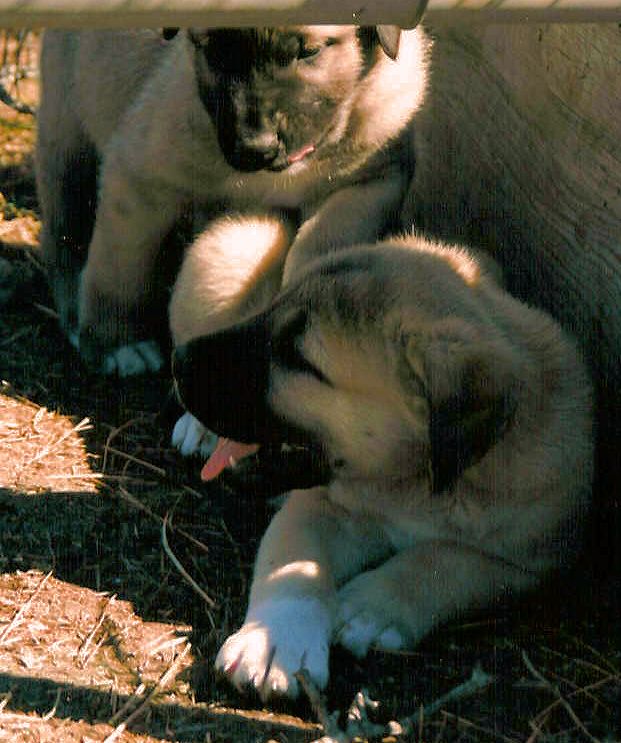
(293, 133)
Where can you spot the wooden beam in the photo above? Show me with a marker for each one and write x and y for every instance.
(405, 13)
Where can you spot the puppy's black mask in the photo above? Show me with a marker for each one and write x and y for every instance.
(223, 379)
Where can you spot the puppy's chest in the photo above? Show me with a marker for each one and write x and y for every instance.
(407, 519)
(301, 188)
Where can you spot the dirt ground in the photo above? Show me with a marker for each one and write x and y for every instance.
(103, 639)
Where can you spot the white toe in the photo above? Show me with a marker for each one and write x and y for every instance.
(191, 437)
(74, 339)
(133, 359)
(360, 627)
(278, 638)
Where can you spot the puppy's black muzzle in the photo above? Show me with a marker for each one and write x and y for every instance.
(223, 379)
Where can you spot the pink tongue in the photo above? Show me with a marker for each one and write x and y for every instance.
(300, 154)
(226, 453)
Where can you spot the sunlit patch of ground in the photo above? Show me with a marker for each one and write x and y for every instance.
(41, 450)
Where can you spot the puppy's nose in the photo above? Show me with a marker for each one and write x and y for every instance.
(259, 150)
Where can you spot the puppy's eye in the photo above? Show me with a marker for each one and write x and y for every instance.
(309, 53)
(298, 362)
(286, 349)
(289, 354)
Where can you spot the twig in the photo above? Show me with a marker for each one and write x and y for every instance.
(137, 503)
(23, 608)
(15, 336)
(184, 573)
(163, 680)
(5, 701)
(561, 699)
(136, 460)
(541, 716)
(135, 697)
(473, 726)
(111, 436)
(477, 682)
(83, 657)
(52, 712)
(46, 310)
(582, 662)
(537, 732)
(331, 731)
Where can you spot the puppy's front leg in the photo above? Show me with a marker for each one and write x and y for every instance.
(362, 213)
(133, 217)
(309, 548)
(400, 601)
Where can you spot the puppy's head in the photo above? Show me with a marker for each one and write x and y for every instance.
(279, 95)
(381, 360)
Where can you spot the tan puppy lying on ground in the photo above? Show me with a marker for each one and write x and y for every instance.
(456, 422)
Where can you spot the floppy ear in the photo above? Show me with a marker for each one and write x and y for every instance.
(169, 33)
(472, 396)
(389, 37)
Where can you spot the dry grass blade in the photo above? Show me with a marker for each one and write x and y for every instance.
(464, 722)
(541, 717)
(136, 460)
(16, 336)
(48, 311)
(111, 436)
(134, 699)
(84, 656)
(137, 503)
(161, 683)
(331, 731)
(184, 573)
(23, 609)
(560, 698)
(5, 701)
(18, 717)
(478, 681)
(83, 425)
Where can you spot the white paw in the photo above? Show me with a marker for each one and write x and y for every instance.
(190, 436)
(279, 637)
(361, 625)
(135, 358)
(74, 339)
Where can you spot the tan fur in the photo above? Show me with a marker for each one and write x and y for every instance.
(518, 153)
(381, 554)
(132, 98)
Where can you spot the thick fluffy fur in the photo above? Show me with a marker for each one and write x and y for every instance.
(291, 126)
(456, 422)
(518, 153)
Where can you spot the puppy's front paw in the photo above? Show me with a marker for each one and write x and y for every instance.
(190, 436)
(136, 358)
(364, 618)
(278, 638)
